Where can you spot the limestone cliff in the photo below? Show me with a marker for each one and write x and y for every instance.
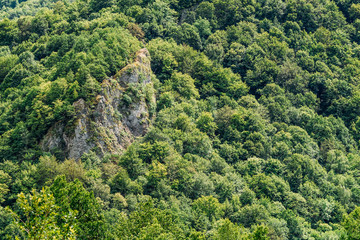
(121, 112)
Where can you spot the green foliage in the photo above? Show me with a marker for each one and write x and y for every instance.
(225, 229)
(351, 224)
(148, 222)
(72, 198)
(254, 133)
(38, 217)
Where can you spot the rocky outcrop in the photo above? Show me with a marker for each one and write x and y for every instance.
(120, 113)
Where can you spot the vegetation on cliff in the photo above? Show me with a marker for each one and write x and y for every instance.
(255, 131)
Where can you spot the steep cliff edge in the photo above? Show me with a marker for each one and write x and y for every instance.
(122, 111)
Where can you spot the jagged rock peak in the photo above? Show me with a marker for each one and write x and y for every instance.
(143, 57)
(121, 112)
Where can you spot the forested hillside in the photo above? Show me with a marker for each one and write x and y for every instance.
(254, 133)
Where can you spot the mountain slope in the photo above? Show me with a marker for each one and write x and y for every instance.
(239, 121)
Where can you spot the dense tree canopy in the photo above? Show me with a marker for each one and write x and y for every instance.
(255, 133)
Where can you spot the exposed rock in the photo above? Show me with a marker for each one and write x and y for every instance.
(121, 112)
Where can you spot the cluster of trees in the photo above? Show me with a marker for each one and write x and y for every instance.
(257, 124)
(16, 8)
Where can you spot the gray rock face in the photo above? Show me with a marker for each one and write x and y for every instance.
(121, 112)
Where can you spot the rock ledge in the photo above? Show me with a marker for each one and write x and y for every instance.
(122, 112)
